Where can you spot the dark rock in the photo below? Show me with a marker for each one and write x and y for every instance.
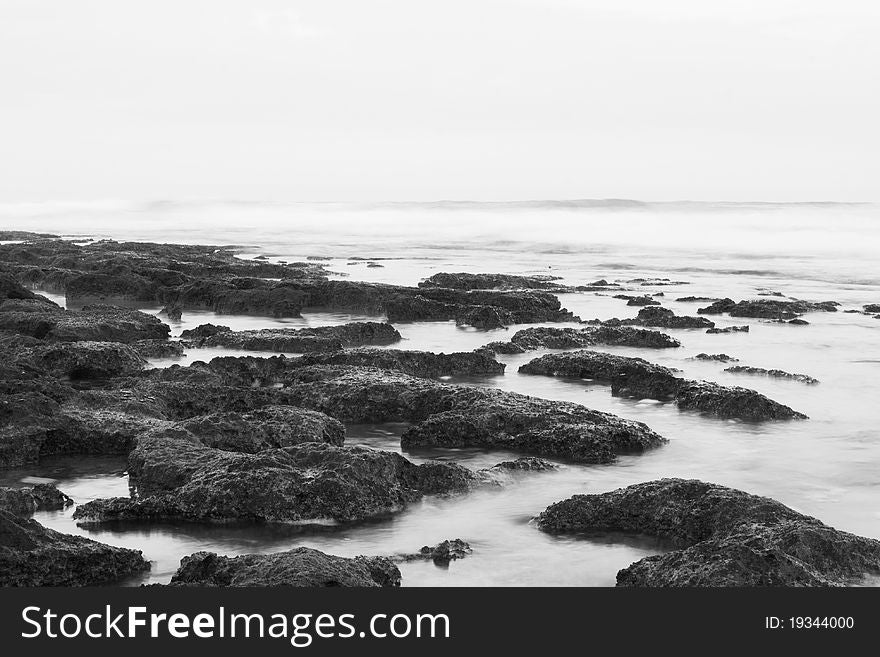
(158, 348)
(297, 567)
(698, 299)
(768, 308)
(728, 329)
(872, 308)
(665, 318)
(321, 338)
(32, 555)
(798, 322)
(177, 477)
(722, 536)
(86, 360)
(572, 338)
(24, 502)
(441, 554)
(203, 331)
(11, 289)
(463, 281)
(723, 358)
(637, 378)
(91, 323)
(779, 374)
(457, 416)
(642, 301)
(172, 311)
(501, 347)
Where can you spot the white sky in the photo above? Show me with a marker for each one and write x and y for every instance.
(447, 99)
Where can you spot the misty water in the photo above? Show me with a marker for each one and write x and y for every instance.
(826, 466)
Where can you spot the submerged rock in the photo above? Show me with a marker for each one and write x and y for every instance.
(24, 502)
(779, 374)
(728, 329)
(441, 554)
(723, 358)
(297, 567)
(722, 536)
(32, 555)
(639, 379)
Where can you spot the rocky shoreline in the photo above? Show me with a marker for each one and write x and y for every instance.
(262, 439)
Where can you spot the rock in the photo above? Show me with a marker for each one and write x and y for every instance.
(698, 299)
(723, 358)
(374, 265)
(86, 360)
(117, 288)
(10, 235)
(798, 322)
(264, 428)
(172, 311)
(89, 324)
(728, 329)
(178, 478)
(297, 567)
(203, 331)
(525, 464)
(642, 301)
(24, 502)
(441, 554)
(639, 379)
(484, 317)
(872, 308)
(779, 374)
(572, 338)
(12, 289)
(768, 308)
(721, 536)
(32, 555)
(501, 347)
(665, 318)
(463, 281)
(158, 348)
(456, 416)
(321, 338)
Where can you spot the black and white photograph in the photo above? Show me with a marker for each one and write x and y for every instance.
(566, 305)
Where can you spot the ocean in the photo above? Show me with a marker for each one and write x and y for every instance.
(825, 466)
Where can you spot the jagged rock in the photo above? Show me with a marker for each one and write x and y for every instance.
(665, 318)
(203, 331)
(768, 308)
(321, 338)
(779, 374)
(89, 324)
(723, 358)
(637, 378)
(297, 567)
(177, 477)
(463, 281)
(441, 554)
(722, 536)
(86, 360)
(24, 502)
(572, 338)
(172, 311)
(158, 348)
(872, 308)
(642, 301)
(698, 299)
(32, 555)
(728, 329)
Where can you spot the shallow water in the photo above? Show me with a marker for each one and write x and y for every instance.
(825, 466)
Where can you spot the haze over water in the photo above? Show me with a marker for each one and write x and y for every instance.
(825, 466)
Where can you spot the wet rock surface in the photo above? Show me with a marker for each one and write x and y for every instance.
(728, 329)
(321, 338)
(768, 308)
(298, 567)
(777, 374)
(575, 338)
(722, 536)
(660, 317)
(465, 281)
(640, 379)
(32, 555)
(721, 358)
(26, 501)
(441, 554)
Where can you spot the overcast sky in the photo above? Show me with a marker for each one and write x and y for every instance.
(447, 99)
